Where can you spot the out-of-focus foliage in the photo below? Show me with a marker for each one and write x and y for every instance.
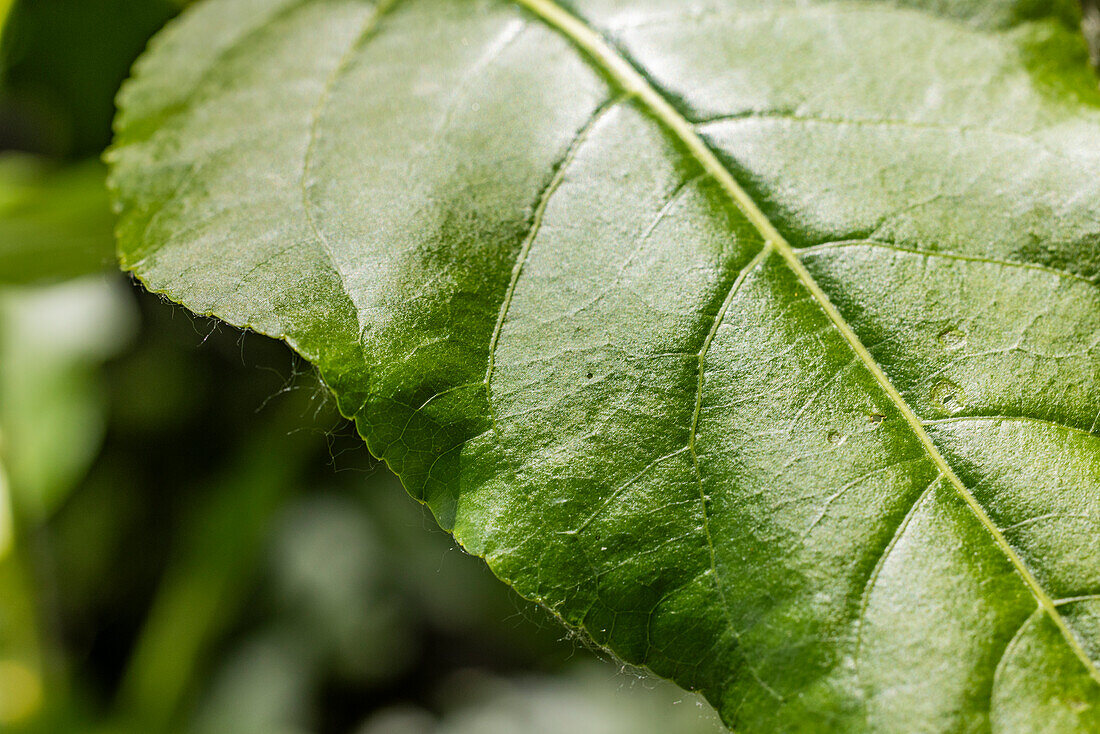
(55, 220)
(61, 62)
(190, 539)
(53, 341)
(1090, 25)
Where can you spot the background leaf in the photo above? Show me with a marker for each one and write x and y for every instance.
(758, 340)
(52, 342)
(60, 66)
(55, 220)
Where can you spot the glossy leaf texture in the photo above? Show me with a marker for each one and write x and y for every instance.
(758, 339)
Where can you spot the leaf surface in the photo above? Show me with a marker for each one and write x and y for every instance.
(757, 339)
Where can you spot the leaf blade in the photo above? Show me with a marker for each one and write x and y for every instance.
(482, 450)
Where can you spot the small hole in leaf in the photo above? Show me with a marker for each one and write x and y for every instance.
(589, 375)
(876, 419)
(836, 438)
(948, 395)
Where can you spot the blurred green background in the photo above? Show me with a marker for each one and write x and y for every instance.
(191, 539)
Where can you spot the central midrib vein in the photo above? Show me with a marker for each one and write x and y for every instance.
(623, 73)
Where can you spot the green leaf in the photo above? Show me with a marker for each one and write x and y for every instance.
(55, 221)
(53, 340)
(757, 339)
(61, 62)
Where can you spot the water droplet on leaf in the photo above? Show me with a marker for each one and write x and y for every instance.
(953, 339)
